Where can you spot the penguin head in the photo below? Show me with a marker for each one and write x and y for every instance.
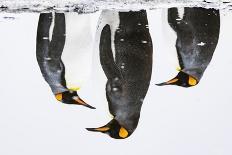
(71, 97)
(182, 79)
(121, 105)
(113, 129)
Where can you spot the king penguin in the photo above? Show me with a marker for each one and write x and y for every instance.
(126, 59)
(50, 43)
(197, 37)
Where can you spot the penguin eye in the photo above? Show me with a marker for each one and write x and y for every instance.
(116, 89)
(114, 86)
(116, 93)
(192, 81)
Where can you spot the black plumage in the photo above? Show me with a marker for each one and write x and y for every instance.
(197, 37)
(48, 54)
(128, 71)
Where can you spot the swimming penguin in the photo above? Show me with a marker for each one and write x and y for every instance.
(197, 37)
(49, 48)
(128, 67)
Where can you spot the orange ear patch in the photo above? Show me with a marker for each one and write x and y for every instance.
(192, 81)
(59, 96)
(123, 133)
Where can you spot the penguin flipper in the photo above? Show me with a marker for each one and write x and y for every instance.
(106, 55)
(172, 16)
(48, 55)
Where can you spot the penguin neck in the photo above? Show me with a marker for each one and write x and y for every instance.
(129, 119)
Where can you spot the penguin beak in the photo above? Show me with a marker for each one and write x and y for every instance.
(100, 129)
(170, 82)
(79, 101)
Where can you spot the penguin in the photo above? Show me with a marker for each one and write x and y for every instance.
(50, 42)
(126, 59)
(197, 33)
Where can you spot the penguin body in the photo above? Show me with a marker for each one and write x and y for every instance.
(78, 50)
(49, 48)
(50, 43)
(197, 33)
(128, 70)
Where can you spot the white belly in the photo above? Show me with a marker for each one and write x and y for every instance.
(77, 54)
(111, 18)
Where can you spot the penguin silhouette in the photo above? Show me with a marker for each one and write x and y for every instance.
(128, 70)
(48, 53)
(197, 37)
